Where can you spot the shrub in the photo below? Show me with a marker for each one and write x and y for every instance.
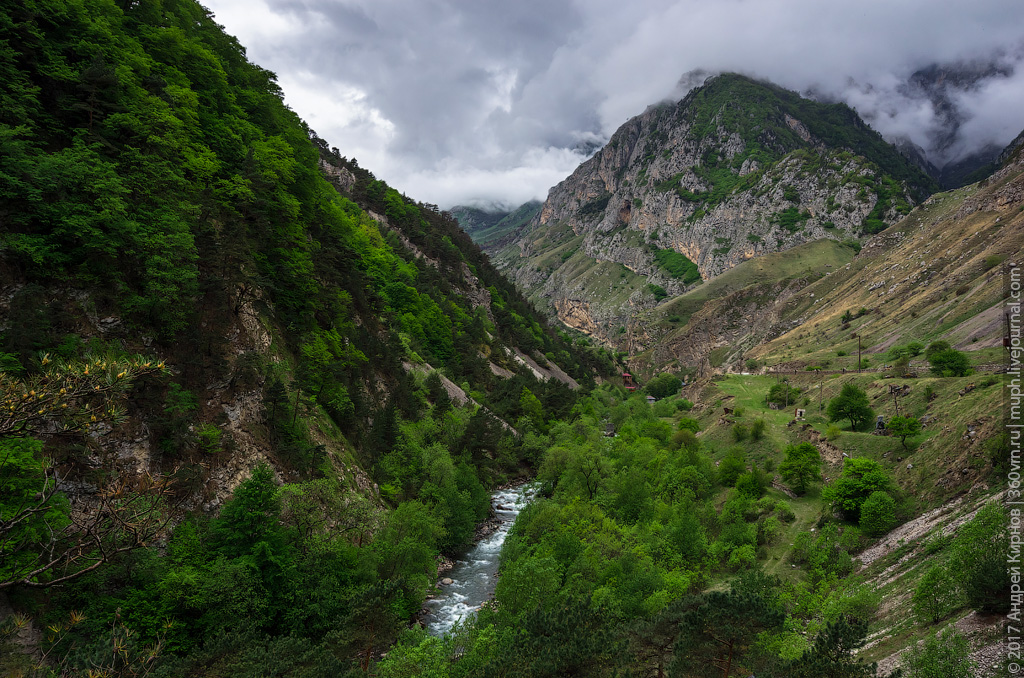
(757, 429)
(741, 557)
(978, 559)
(684, 405)
(782, 394)
(663, 385)
(752, 484)
(861, 603)
(730, 469)
(878, 513)
(740, 432)
(936, 347)
(785, 512)
(801, 466)
(948, 656)
(950, 363)
(685, 439)
(860, 478)
(688, 424)
(658, 291)
(936, 595)
(832, 432)
(768, 530)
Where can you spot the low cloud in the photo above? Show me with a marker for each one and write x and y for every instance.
(460, 101)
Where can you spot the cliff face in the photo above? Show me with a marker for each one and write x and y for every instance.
(939, 273)
(736, 170)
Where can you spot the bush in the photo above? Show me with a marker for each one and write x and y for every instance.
(783, 395)
(684, 405)
(832, 432)
(945, 656)
(752, 484)
(861, 603)
(757, 429)
(658, 291)
(936, 347)
(740, 432)
(859, 480)
(730, 468)
(978, 559)
(936, 596)
(801, 466)
(878, 513)
(664, 385)
(950, 363)
(688, 424)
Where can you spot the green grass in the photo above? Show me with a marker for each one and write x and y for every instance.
(811, 258)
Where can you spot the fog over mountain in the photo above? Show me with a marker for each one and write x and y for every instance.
(485, 102)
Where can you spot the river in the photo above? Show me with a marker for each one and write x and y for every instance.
(475, 572)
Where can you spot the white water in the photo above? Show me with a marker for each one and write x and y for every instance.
(475, 573)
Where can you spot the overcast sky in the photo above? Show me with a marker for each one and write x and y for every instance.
(491, 101)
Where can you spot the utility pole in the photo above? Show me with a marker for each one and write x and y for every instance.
(820, 387)
(858, 353)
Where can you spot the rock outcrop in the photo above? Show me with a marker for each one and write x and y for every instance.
(736, 170)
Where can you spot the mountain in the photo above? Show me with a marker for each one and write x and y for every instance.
(934, 275)
(232, 354)
(494, 230)
(686, 191)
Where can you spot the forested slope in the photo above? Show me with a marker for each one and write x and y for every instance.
(258, 412)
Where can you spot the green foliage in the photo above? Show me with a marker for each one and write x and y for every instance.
(740, 431)
(978, 559)
(29, 506)
(801, 466)
(878, 513)
(822, 554)
(936, 347)
(730, 468)
(757, 429)
(832, 653)
(719, 632)
(942, 656)
(677, 266)
(851, 403)
(658, 291)
(663, 385)
(936, 595)
(949, 363)
(783, 395)
(791, 218)
(688, 424)
(904, 427)
(596, 207)
(860, 478)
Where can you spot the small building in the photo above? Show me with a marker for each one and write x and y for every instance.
(651, 400)
(627, 381)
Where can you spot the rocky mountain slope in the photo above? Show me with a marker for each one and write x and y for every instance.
(736, 170)
(936, 274)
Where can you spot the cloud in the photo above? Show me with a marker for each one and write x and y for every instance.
(485, 101)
